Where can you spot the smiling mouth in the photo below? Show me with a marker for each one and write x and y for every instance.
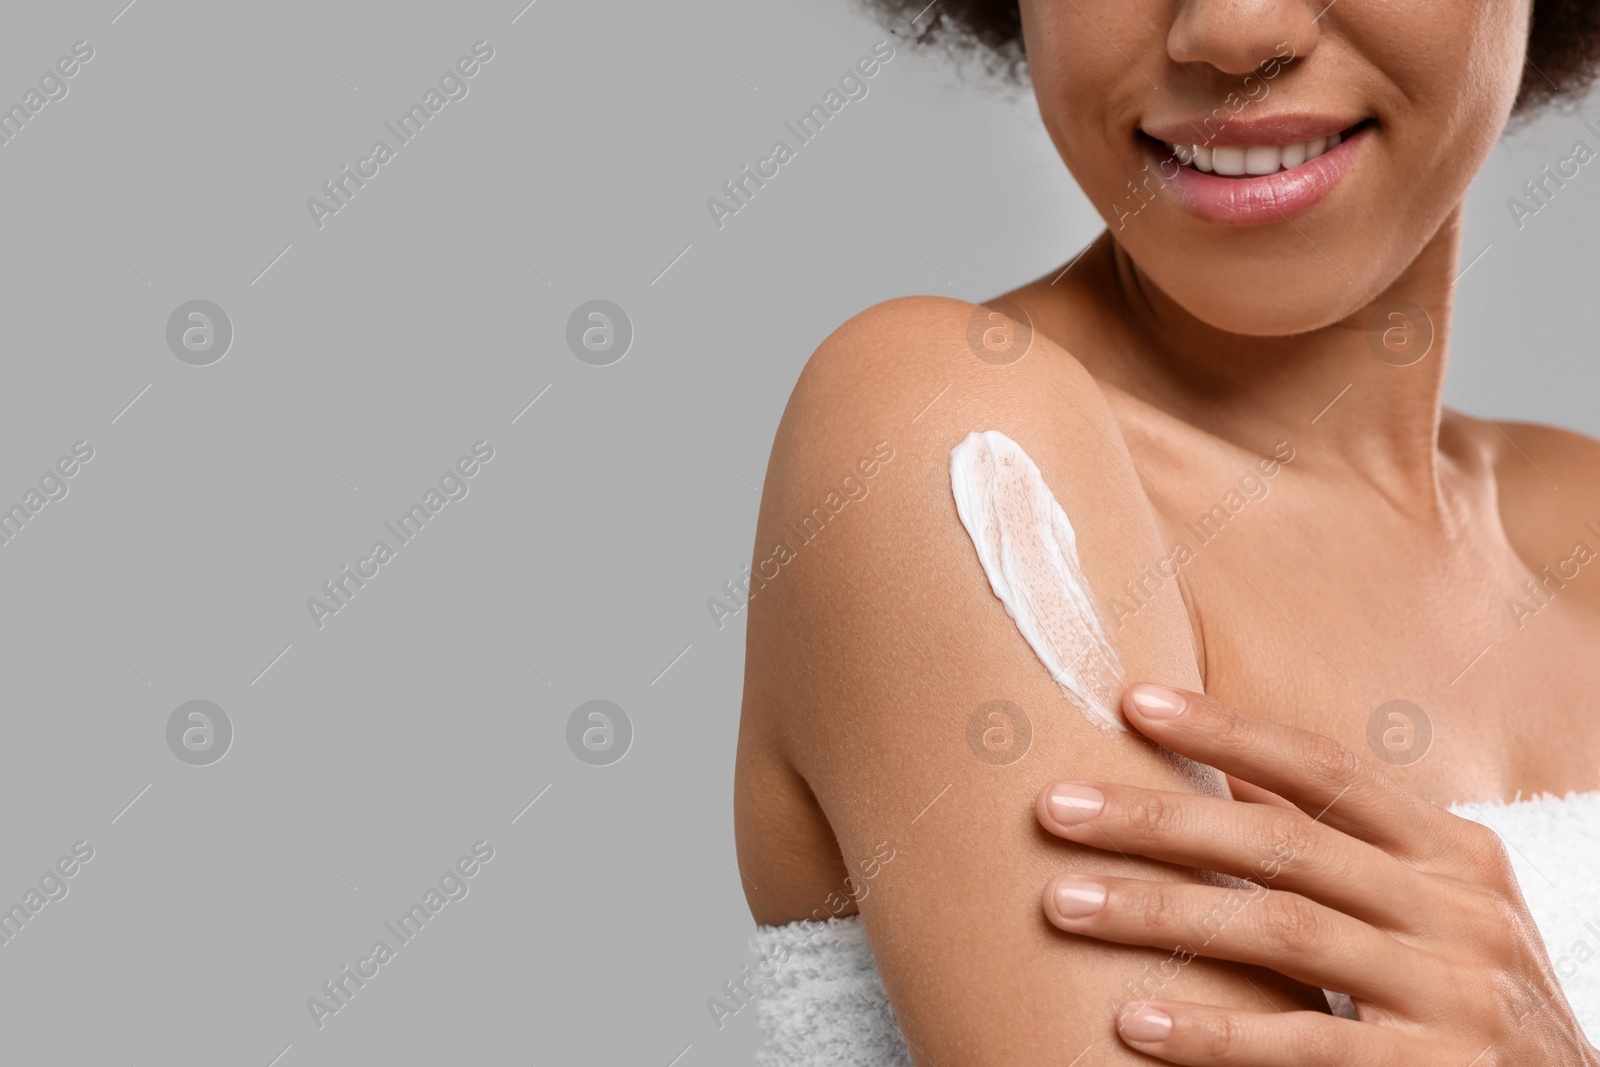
(1253, 161)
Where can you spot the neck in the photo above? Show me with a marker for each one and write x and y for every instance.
(1335, 393)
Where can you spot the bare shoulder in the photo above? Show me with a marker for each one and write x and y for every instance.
(893, 708)
(880, 362)
(1530, 455)
(1548, 483)
(858, 503)
(920, 373)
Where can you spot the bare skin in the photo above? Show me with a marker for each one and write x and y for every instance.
(1336, 860)
(1413, 546)
(1165, 364)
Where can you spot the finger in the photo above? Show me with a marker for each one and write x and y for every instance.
(1250, 793)
(1284, 932)
(1280, 846)
(1206, 1036)
(1316, 773)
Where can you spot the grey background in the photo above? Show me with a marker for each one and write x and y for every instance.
(425, 716)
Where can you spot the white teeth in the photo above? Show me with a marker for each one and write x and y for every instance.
(1228, 160)
(1234, 161)
(1262, 159)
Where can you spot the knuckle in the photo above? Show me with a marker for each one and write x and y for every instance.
(1219, 1036)
(1495, 914)
(1505, 913)
(1290, 836)
(1157, 909)
(1291, 921)
(1500, 874)
(1230, 729)
(1486, 845)
(1148, 816)
(1484, 853)
(1332, 762)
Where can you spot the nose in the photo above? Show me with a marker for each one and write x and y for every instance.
(1237, 36)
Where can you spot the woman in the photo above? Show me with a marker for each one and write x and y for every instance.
(1119, 649)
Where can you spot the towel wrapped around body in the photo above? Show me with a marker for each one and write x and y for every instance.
(825, 1004)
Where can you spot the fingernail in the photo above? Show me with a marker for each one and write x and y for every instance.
(1156, 701)
(1146, 1024)
(1072, 804)
(1077, 898)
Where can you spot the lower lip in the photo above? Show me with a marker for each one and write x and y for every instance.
(1266, 198)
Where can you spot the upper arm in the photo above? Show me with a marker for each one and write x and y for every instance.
(873, 642)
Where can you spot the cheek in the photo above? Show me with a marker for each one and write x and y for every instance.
(1455, 107)
(1087, 87)
(1443, 119)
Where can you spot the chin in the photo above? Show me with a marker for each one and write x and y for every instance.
(1254, 293)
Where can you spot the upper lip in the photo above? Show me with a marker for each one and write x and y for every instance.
(1258, 130)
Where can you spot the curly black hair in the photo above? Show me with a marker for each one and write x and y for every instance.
(1563, 41)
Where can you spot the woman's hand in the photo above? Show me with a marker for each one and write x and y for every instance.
(1357, 885)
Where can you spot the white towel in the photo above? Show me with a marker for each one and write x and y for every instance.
(825, 1003)
(825, 1006)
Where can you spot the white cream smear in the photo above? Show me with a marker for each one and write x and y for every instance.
(1029, 552)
